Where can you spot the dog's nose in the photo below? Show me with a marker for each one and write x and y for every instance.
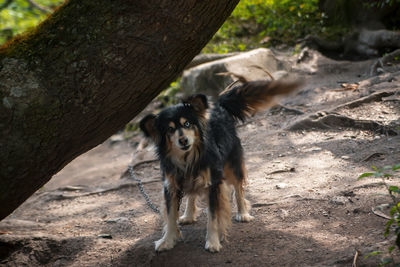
(183, 141)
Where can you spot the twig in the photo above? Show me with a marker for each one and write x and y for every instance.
(373, 155)
(355, 259)
(291, 169)
(368, 185)
(379, 213)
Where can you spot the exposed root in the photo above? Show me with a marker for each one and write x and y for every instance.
(387, 77)
(62, 196)
(391, 58)
(371, 185)
(328, 121)
(374, 156)
(377, 96)
(281, 108)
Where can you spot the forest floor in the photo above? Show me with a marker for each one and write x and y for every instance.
(303, 160)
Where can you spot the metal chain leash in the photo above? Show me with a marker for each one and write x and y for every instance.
(140, 185)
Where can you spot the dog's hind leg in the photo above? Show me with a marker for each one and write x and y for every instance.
(243, 205)
(190, 210)
(171, 230)
(236, 174)
(219, 218)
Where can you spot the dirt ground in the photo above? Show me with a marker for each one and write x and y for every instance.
(303, 160)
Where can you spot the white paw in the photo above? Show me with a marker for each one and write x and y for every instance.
(186, 220)
(245, 217)
(213, 246)
(166, 243)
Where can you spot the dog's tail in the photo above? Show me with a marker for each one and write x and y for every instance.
(245, 99)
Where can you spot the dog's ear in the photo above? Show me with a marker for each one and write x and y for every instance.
(148, 127)
(198, 102)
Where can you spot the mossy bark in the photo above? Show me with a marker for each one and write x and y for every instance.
(83, 74)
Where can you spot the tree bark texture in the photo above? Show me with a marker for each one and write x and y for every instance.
(83, 74)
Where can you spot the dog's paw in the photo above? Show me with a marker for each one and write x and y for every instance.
(213, 246)
(186, 220)
(245, 217)
(166, 243)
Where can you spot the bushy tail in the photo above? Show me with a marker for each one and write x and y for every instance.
(245, 99)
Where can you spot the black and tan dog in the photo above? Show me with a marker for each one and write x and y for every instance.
(200, 153)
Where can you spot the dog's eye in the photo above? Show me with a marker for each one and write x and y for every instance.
(171, 129)
(186, 124)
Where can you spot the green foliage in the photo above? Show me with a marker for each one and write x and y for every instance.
(167, 97)
(269, 22)
(19, 16)
(394, 192)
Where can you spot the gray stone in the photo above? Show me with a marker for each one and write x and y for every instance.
(204, 78)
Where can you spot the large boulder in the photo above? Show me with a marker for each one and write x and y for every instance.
(207, 79)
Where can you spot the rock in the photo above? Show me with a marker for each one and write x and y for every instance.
(204, 58)
(338, 200)
(204, 79)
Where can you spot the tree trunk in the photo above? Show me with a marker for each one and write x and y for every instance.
(83, 74)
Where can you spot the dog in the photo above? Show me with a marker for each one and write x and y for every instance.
(200, 153)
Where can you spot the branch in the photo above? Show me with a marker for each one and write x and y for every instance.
(41, 8)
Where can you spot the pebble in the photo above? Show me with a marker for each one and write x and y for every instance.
(117, 220)
(281, 186)
(339, 200)
(345, 157)
(106, 236)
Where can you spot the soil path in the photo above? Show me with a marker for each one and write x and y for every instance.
(303, 160)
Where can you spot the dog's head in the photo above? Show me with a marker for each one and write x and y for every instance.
(179, 128)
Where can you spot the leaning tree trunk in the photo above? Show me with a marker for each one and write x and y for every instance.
(83, 74)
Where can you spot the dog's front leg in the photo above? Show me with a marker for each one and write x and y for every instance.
(212, 239)
(213, 243)
(190, 211)
(171, 231)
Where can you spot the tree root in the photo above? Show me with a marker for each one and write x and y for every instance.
(393, 57)
(328, 121)
(377, 96)
(280, 108)
(61, 196)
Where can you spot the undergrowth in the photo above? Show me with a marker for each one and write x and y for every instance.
(256, 23)
(392, 228)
